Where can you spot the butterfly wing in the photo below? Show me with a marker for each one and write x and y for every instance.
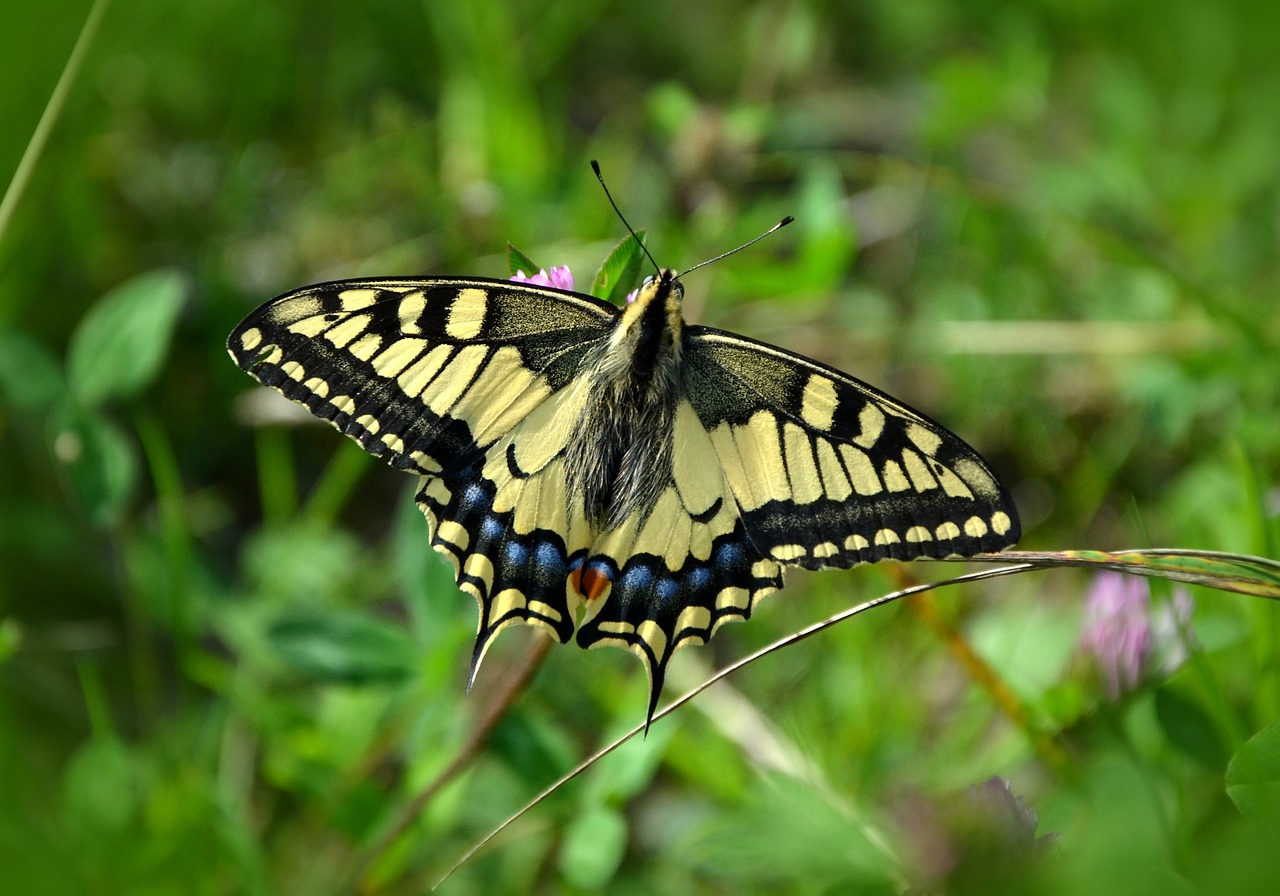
(678, 573)
(828, 471)
(463, 381)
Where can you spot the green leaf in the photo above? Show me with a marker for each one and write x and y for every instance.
(1189, 728)
(30, 377)
(620, 272)
(346, 648)
(1253, 776)
(120, 343)
(99, 786)
(302, 565)
(593, 847)
(98, 460)
(519, 263)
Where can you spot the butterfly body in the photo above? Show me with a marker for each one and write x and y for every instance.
(619, 457)
(615, 470)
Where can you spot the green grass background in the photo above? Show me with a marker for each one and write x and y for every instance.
(228, 659)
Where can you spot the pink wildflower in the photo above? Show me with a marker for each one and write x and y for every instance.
(1125, 638)
(558, 277)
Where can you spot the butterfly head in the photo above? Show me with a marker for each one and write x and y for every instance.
(660, 296)
(649, 332)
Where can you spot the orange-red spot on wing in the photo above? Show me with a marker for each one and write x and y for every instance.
(590, 582)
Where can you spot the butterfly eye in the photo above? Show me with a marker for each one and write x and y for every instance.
(646, 281)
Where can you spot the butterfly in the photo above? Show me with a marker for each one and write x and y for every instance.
(614, 470)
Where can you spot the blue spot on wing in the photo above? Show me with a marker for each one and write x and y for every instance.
(698, 578)
(549, 562)
(646, 592)
(532, 564)
(637, 577)
(728, 554)
(473, 496)
(515, 553)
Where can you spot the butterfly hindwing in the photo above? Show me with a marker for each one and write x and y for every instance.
(828, 471)
(506, 522)
(678, 573)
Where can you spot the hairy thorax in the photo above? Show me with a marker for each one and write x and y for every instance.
(619, 457)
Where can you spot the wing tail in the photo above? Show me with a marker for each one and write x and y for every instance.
(651, 609)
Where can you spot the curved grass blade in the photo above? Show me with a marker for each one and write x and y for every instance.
(52, 109)
(1241, 573)
(675, 704)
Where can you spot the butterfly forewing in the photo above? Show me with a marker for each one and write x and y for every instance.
(828, 471)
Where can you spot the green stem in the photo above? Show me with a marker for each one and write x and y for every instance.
(277, 483)
(174, 535)
(335, 485)
(96, 704)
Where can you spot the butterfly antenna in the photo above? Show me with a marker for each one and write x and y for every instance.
(781, 224)
(595, 166)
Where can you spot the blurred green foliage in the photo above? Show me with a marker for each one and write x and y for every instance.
(228, 659)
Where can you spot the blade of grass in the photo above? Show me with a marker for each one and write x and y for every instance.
(166, 476)
(97, 705)
(1241, 573)
(277, 481)
(57, 99)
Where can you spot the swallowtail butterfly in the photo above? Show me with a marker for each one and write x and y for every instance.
(616, 470)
